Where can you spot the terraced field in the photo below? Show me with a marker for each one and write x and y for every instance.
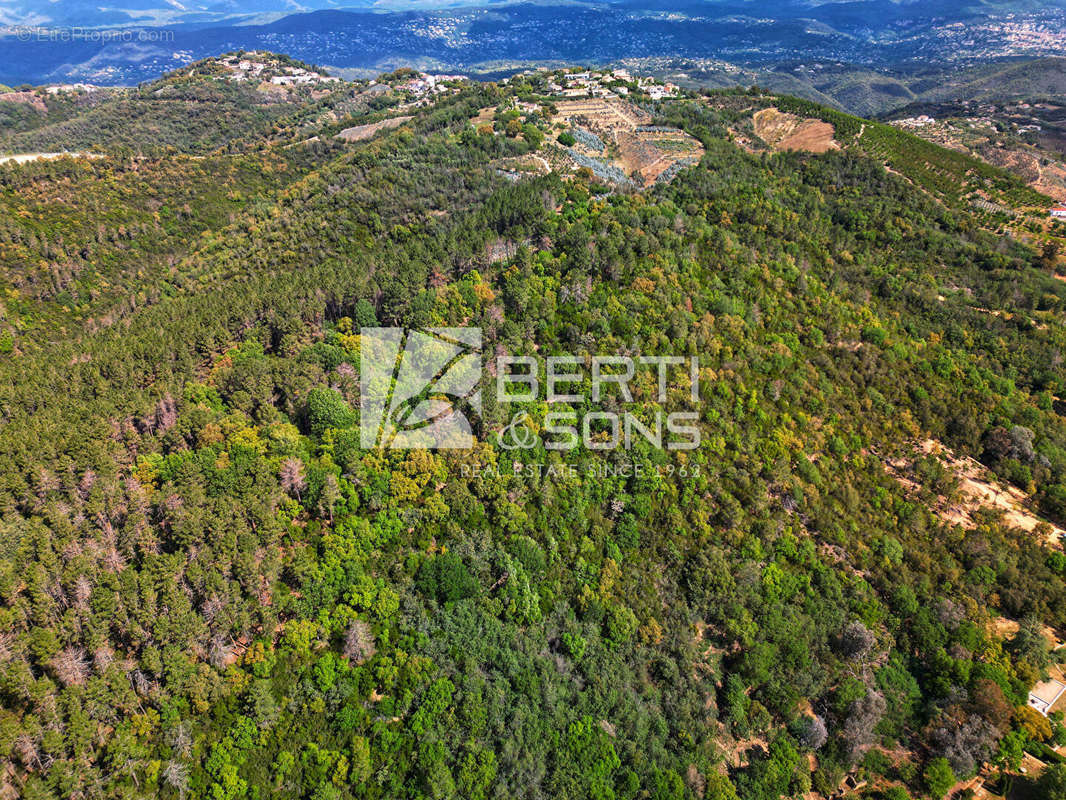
(641, 151)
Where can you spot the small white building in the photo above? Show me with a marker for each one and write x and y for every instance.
(1044, 695)
(1058, 212)
(70, 87)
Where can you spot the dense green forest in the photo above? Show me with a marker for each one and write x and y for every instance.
(209, 589)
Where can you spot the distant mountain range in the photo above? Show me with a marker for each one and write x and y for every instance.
(170, 12)
(145, 38)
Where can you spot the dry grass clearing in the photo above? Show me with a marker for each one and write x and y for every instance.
(978, 488)
(484, 116)
(788, 132)
(361, 132)
(25, 98)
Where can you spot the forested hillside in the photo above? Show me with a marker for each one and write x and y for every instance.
(209, 589)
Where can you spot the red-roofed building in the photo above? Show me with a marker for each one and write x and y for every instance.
(1059, 211)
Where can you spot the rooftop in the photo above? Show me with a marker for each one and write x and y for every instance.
(1048, 691)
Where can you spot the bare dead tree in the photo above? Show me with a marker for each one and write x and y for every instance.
(176, 775)
(83, 590)
(359, 645)
(103, 656)
(27, 751)
(292, 476)
(863, 716)
(179, 739)
(219, 651)
(166, 413)
(856, 641)
(71, 666)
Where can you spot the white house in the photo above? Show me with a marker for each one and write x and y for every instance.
(1044, 695)
(1059, 212)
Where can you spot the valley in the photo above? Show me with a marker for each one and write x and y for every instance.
(863, 54)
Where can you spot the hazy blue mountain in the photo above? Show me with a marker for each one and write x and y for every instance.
(873, 13)
(457, 35)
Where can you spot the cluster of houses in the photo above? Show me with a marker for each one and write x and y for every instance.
(301, 77)
(924, 120)
(615, 83)
(424, 88)
(256, 66)
(67, 88)
(915, 122)
(425, 84)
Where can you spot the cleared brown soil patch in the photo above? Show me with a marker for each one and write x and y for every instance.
(651, 153)
(1052, 181)
(1024, 165)
(26, 98)
(361, 132)
(978, 488)
(484, 116)
(788, 132)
